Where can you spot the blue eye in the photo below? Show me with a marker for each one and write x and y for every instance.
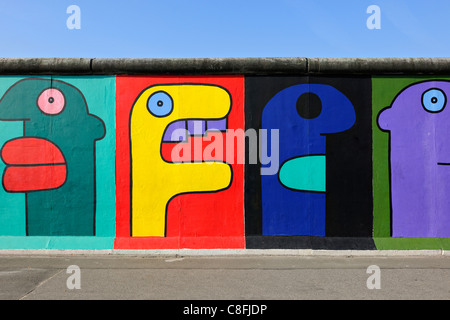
(434, 100)
(160, 104)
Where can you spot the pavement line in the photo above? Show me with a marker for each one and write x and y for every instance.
(40, 284)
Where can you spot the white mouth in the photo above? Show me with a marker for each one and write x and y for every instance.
(179, 131)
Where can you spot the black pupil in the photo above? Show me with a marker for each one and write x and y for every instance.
(159, 103)
(51, 99)
(434, 99)
(309, 105)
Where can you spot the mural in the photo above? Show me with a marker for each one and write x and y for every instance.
(201, 162)
(180, 189)
(56, 144)
(417, 122)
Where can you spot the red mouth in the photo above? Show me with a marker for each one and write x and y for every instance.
(32, 164)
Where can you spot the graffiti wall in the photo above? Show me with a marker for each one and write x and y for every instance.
(224, 162)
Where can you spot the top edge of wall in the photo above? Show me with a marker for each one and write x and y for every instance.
(243, 66)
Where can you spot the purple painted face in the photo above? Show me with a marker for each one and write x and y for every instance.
(420, 118)
(419, 126)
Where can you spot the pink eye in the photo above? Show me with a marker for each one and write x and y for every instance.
(51, 101)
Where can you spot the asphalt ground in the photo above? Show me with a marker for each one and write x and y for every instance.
(224, 277)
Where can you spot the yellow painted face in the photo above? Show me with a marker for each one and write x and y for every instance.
(160, 105)
(154, 181)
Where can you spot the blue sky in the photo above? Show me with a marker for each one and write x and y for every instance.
(225, 28)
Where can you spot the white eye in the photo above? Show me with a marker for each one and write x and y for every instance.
(434, 100)
(160, 104)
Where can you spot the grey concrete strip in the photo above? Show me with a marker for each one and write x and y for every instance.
(212, 66)
(222, 66)
(378, 66)
(26, 66)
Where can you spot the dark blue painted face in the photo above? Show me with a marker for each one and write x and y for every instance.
(304, 114)
(294, 199)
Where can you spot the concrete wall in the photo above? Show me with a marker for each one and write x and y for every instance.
(224, 153)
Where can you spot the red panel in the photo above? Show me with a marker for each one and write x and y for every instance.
(200, 220)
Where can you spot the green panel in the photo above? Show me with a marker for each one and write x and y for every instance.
(99, 93)
(384, 90)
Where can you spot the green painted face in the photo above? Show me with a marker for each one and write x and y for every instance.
(54, 161)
